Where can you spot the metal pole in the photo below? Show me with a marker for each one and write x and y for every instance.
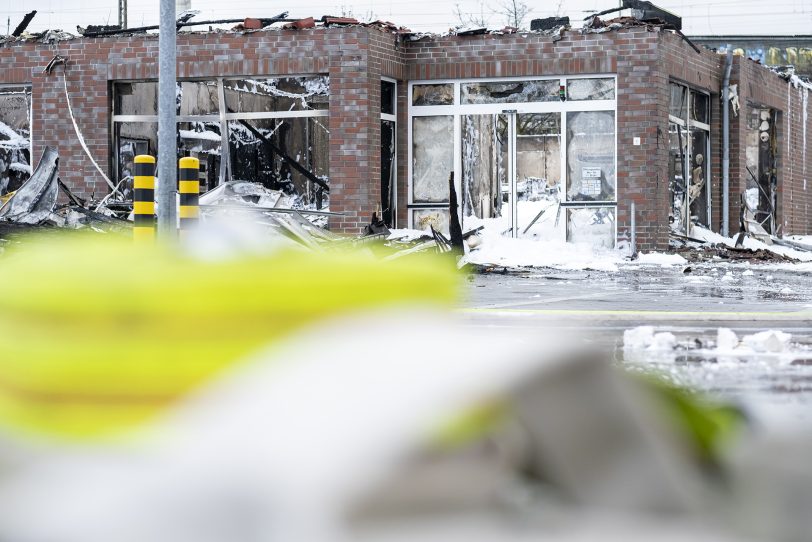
(122, 13)
(726, 144)
(634, 232)
(167, 144)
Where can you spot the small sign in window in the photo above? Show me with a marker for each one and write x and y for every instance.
(591, 181)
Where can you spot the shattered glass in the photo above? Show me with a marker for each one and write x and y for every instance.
(677, 137)
(678, 104)
(432, 158)
(509, 92)
(591, 89)
(388, 150)
(132, 139)
(442, 94)
(139, 98)
(202, 140)
(538, 164)
(277, 94)
(594, 226)
(760, 154)
(700, 107)
(484, 164)
(388, 97)
(198, 98)
(303, 140)
(437, 218)
(591, 156)
(15, 137)
(698, 190)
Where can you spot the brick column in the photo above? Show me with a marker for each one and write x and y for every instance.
(354, 133)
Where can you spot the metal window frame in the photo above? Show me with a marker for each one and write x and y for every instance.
(458, 109)
(222, 117)
(393, 118)
(29, 88)
(688, 124)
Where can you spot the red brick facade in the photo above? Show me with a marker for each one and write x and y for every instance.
(644, 60)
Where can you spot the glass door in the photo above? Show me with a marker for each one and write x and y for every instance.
(511, 169)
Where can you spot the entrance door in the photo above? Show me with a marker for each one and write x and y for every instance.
(511, 164)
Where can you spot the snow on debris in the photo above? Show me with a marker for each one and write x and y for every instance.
(753, 244)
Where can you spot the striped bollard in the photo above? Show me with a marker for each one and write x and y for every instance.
(189, 189)
(144, 199)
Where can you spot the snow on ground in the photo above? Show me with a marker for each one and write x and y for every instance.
(544, 245)
(658, 258)
(771, 342)
(804, 239)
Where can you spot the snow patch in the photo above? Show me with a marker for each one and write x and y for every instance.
(658, 258)
(644, 338)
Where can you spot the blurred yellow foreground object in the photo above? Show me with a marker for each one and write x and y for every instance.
(100, 335)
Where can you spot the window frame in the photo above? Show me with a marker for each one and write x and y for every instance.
(458, 110)
(223, 117)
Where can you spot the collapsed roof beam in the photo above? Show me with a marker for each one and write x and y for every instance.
(648, 12)
(293, 163)
(281, 18)
(23, 24)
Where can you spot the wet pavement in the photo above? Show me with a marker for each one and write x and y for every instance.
(690, 303)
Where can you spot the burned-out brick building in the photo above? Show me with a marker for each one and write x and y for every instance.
(557, 132)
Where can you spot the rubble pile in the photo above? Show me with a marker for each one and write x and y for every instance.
(720, 251)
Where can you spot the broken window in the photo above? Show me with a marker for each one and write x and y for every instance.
(422, 219)
(289, 153)
(388, 97)
(442, 94)
(198, 98)
(591, 89)
(698, 196)
(700, 107)
(132, 139)
(594, 226)
(432, 158)
(591, 156)
(689, 144)
(136, 98)
(484, 166)
(677, 136)
(268, 151)
(202, 140)
(538, 168)
(387, 170)
(510, 92)
(761, 167)
(388, 151)
(678, 106)
(509, 161)
(277, 94)
(15, 137)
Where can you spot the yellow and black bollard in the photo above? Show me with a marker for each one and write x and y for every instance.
(189, 189)
(144, 199)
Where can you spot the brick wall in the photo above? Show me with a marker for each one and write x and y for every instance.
(760, 87)
(644, 60)
(344, 53)
(631, 53)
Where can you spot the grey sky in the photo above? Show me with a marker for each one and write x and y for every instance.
(719, 17)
